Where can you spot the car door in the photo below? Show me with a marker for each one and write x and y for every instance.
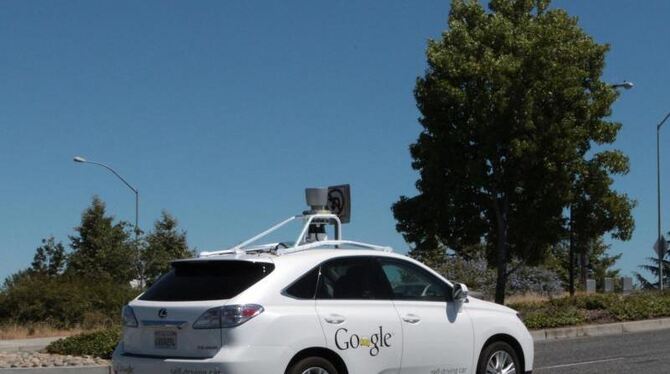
(358, 318)
(437, 335)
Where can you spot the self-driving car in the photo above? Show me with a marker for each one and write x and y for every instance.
(316, 305)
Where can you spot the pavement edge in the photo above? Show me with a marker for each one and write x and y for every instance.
(617, 328)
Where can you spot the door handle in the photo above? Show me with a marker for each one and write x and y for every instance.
(411, 318)
(335, 319)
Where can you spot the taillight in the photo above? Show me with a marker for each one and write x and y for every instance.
(227, 316)
(129, 319)
(211, 319)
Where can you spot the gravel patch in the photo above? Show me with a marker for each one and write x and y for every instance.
(36, 359)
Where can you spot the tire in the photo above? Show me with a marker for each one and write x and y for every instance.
(313, 365)
(498, 358)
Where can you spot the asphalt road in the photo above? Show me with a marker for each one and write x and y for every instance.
(645, 352)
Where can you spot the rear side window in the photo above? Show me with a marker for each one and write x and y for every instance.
(305, 286)
(207, 280)
(352, 278)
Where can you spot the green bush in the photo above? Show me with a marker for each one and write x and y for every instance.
(598, 308)
(553, 317)
(99, 344)
(641, 306)
(63, 301)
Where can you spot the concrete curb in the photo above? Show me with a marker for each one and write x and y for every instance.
(60, 370)
(618, 328)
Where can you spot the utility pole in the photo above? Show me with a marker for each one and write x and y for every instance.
(660, 239)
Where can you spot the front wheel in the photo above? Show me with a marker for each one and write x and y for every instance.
(313, 365)
(498, 358)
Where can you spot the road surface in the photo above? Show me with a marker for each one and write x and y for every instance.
(645, 352)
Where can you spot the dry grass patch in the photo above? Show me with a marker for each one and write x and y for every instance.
(15, 331)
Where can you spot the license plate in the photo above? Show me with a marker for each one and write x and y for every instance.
(165, 339)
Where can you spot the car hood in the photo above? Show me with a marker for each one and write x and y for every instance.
(476, 303)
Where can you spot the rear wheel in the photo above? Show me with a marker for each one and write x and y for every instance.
(313, 365)
(498, 358)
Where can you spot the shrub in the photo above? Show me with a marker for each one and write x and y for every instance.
(597, 301)
(99, 344)
(536, 280)
(641, 306)
(597, 308)
(477, 275)
(62, 301)
(553, 317)
(474, 273)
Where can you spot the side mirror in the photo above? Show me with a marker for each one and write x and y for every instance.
(459, 293)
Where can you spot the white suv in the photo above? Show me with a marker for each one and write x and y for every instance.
(317, 306)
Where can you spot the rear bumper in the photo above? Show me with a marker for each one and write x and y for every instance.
(230, 360)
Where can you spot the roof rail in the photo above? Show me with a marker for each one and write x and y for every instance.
(272, 248)
(333, 243)
(264, 248)
(301, 243)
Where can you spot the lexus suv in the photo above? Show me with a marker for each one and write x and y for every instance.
(316, 306)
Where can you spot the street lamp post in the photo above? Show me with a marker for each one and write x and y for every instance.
(660, 239)
(627, 85)
(82, 160)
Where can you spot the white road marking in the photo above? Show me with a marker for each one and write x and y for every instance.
(580, 363)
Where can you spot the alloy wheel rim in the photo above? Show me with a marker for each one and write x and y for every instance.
(315, 370)
(500, 362)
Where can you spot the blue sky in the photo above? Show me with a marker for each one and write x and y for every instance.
(222, 112)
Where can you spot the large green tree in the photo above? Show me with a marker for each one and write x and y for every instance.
(511, 102)
(163, 245)
(101, 248)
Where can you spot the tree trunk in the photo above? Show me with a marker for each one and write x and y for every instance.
(571, 258)
(501, 279)
(583, 274)
(502, 251)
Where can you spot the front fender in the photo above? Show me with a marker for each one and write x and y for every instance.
(492, 320)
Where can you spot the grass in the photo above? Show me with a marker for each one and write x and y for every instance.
(526, 299)
(11, 331)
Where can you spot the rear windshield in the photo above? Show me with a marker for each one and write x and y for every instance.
(206, 280)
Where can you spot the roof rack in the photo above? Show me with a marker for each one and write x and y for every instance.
(335, 244)
(301, 243)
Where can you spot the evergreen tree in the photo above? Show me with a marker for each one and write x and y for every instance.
(600, 263)
(163, 245)
(49, 258)
(652, 268)
(102, 249)
(597, 262)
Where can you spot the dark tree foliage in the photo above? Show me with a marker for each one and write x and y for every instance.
(14, 279)
(49, 258)
(102, 249)
(64, 301)
(163, 245)
(511, 102)
(88, 287)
